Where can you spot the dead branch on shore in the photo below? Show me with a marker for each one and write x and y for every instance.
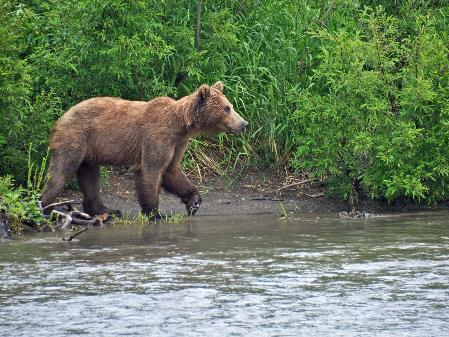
(68, 203)
(67, 218)
(302, 182)
(91, 222)
(267, 199)
(74, 216)
(316, 195)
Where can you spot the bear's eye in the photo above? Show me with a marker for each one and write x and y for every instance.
(227, 109)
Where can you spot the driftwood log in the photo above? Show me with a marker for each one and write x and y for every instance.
(63, 217)
(71, 216)
(67, 203)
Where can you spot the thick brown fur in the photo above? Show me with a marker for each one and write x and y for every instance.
(152, 136)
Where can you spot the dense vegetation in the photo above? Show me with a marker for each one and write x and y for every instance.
(355, 92)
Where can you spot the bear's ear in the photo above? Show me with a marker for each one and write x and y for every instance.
(219, 86)
(204, 92)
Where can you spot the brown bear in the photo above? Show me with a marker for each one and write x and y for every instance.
(152, 136)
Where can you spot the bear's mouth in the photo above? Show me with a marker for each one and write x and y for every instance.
(232, 131)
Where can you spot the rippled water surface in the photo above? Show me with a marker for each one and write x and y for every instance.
(234, 276)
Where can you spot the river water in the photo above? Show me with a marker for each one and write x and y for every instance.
(232, 276)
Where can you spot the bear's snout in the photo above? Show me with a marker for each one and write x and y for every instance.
(243, 126)
(238, 128)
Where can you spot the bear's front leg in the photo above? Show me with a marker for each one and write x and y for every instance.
(176, 182)
(147, 187)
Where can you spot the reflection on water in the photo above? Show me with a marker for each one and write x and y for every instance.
(234, 276)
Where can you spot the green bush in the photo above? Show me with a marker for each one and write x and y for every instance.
(26, 111)
(375, 113)
(19, 205)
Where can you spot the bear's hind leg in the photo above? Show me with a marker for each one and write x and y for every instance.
(88, 175)
(60, 170)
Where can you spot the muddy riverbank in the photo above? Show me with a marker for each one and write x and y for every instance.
(247, 194)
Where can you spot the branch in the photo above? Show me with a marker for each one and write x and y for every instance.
(89, 222)
(313, 195)
(198, 26)
(295, 184)
(67, 202)
(67, 217)
(267, 199)
(71, 237)
(76, 213)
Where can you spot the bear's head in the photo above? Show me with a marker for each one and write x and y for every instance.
(214, 113)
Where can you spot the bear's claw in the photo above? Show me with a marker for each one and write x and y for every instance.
(193, 204)
(191, 210)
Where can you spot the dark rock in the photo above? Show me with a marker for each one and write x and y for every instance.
(355, 215)
(5, 232)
